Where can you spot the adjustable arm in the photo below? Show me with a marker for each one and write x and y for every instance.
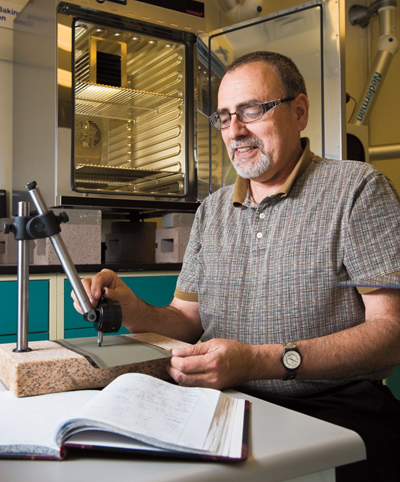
(107, 317)
(64, 257)
(387, 47)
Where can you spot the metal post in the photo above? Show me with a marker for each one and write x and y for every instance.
(23, 286)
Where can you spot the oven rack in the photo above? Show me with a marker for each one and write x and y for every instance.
(118, 174)
(120, 103)
(116, 178)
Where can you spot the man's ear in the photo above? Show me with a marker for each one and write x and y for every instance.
(301, 106)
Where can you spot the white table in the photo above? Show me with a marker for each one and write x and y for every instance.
(283, 446)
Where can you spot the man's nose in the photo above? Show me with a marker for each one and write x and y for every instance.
(236, 128)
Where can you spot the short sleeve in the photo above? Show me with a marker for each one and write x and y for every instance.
(372, 246)
(186, 287)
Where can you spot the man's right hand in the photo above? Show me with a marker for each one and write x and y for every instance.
(179, 320)
(114, 289)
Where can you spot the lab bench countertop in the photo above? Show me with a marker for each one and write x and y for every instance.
(283, 446)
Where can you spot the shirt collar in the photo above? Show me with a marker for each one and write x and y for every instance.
(242, 185)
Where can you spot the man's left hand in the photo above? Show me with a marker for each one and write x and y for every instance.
(217, 363)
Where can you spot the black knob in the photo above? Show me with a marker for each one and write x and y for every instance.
(63, 217)
(31, 185)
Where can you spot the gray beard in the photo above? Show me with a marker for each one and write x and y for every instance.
(250, 169)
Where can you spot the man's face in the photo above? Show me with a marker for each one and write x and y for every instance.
(261, 149)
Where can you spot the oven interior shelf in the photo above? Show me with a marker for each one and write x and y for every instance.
(120, 103)
(99, 177)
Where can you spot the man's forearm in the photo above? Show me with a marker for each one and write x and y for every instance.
(370, 347)
(168, 321)
(360, 350)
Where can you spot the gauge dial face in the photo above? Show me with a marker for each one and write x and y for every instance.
(291, 359)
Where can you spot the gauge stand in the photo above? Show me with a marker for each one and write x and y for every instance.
(46, 366)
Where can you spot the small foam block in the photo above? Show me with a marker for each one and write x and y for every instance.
(171, 244)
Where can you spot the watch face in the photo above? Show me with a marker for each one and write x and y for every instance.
(291, 359)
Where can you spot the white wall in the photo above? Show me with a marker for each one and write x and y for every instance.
(6, 93)
(5, 123)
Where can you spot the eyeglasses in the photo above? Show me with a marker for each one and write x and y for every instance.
(246, 114)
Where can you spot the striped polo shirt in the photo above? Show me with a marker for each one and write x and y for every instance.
(267, 273)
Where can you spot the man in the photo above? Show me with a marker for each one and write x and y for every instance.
(260, 271)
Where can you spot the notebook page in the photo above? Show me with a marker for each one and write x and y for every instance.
(154, 410)
(32, 421)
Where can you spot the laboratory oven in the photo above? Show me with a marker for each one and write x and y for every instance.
(111, 98)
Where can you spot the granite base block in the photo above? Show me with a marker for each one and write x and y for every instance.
(51, 368)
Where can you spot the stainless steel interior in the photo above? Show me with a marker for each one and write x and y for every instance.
(129, 115)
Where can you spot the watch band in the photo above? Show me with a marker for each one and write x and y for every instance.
(290, 375)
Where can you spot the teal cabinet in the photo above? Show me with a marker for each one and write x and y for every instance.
(157, 290)
(38, 311)
(393, 382)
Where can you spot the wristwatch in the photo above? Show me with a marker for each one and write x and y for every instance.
(291, 360)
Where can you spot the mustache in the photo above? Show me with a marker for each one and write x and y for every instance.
(245, 142)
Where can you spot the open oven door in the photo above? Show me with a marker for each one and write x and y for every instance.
(311, 35)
